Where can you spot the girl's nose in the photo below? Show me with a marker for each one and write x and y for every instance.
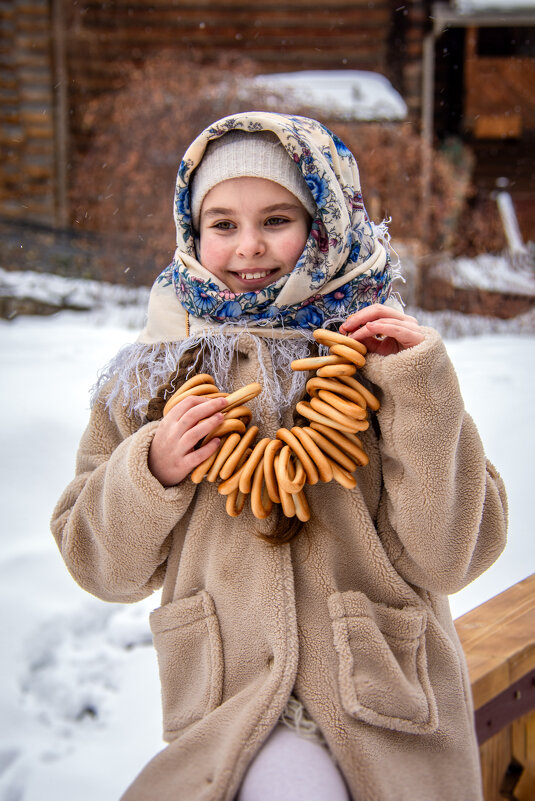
(250, 244)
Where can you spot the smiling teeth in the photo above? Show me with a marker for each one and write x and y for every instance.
(247, 276)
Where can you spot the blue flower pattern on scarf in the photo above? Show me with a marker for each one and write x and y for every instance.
(319, 189)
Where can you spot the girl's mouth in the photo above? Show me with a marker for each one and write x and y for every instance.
(259, 276)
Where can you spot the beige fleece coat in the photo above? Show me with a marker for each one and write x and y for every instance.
(352, 615)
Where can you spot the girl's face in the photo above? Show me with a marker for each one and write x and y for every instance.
(252, 232)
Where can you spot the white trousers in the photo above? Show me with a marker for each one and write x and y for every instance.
(291, 768)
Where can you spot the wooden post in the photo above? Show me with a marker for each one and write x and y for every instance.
(60, 112)
(428, 81)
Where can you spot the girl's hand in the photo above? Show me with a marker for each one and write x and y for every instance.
(396, 330)
(171, 455)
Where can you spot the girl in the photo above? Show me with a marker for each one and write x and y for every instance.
(319, 663)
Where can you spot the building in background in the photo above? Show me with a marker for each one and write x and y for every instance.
(464, 69)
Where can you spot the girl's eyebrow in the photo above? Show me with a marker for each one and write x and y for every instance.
(216, 211)
(280, 207)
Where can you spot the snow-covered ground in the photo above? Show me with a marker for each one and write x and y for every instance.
(79, 700)
(491, 273)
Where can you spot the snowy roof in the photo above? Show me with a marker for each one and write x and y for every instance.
(503, 6)
(339, 94)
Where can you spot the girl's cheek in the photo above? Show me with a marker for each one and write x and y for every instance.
(211, 253)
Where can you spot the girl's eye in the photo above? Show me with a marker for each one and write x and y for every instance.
(276, 220)
(224, 225)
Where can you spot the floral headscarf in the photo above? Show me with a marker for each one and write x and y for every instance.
(343, 267)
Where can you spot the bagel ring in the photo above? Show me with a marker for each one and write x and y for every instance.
(315, 384)
(261, 503)
(202, 469)
(329, 411)
(226, 427)
(230, 484)
(242, 413)
(349, 443)
(348, 354)
(325, 337)
(243, 395)
(370, 399)
(251, 463)
(347, 407)
(313, 362)
(302, 509)
(289, 483)
(276, 470)
(332, 370)
(233, 460)
(270, 478)
(332, 451)
(343, 477)
(290, 439)
(287, 501)
(315, 453)
(235, 503)
(305, 409)
(228, 445)
(198, 389)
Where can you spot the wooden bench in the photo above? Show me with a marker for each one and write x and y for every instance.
(498, 638)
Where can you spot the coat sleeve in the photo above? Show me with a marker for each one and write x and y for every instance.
(443, 510)
(113, 522)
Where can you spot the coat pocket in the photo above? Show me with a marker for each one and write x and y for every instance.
(190, 659)
(382, 663)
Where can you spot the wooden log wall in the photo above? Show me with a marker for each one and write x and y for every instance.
(104, 38)
(27, 131)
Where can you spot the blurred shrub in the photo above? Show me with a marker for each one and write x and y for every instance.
(390, 162)
(480, 229)
(124, 181)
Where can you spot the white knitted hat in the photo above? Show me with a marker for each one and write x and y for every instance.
(239, 154)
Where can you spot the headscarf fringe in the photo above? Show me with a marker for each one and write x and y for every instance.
(135, 374)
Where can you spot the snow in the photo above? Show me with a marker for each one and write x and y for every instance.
(106, 301)
(503, 6)
(336, 94)
(493, 273)
(79, 701)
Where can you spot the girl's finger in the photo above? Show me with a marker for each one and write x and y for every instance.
(190, 436)
(375, 325)
(195, 457)
(405, 335)
(374, 312)
(195, 408)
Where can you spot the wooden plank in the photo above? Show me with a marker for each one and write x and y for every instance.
(113, 46)
(495, 756)
(183, 20)
(523, 749)
(514, 703)
(498, 639)
(229, 6)
(35, 8)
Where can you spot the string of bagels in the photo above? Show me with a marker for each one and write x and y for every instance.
(275, 471)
